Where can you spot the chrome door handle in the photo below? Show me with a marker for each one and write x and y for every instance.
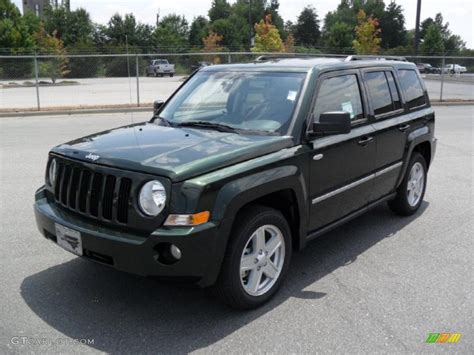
(318, 157)
(403, 128)
(365, 141)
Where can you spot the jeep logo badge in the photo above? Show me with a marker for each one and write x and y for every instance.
(92, 157)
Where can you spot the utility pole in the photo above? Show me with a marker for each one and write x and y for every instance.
(417, 27)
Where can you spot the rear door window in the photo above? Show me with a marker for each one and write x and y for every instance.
(339, 93)
(412, 87)
(379, 92)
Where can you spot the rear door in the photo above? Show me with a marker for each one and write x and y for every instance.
(391, 123)
(340, 165)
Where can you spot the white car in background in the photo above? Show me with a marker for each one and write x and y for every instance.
(160, 67)
(454, 69)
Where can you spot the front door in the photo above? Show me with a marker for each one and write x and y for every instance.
(340, 165)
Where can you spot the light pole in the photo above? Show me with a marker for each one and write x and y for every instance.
(250, 23)
(417, 27)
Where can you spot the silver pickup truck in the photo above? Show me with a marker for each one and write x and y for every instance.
(160, 67)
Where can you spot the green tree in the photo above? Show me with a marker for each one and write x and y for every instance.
(453, 44)
(172, 33)
(83, 67)
(339, 37)
(16, 32)
(267, 38)
(70, 26)
(220, 9)
(392, 25)
(121, 30)
(246, 13)
(367, 34)
(344, 13)
(233, 30)
(433, 42)
(199, 30)
(306, 30)
(16, 37)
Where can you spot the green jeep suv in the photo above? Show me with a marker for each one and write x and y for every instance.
(240, 167)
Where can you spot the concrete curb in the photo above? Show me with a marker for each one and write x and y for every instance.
(149, 109)
(76, 112)
(452, 103)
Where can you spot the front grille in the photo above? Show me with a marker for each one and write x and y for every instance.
(95, 194)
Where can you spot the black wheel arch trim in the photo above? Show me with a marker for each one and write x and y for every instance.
(415, 138)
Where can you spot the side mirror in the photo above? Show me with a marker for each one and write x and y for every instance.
(157, 105)
(336, 122)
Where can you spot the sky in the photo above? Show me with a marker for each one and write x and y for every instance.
(459, 13)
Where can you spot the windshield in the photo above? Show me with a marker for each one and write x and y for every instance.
(252, 101)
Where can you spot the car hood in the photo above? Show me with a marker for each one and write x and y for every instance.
(177, 153)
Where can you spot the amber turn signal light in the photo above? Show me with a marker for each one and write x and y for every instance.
(187, 219)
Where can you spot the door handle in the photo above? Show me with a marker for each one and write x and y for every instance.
(404, 127)
(365, 141)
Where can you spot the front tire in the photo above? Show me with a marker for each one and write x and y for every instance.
(411, 191)
(256, 260)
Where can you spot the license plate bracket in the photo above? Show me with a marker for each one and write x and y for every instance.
(69, 239)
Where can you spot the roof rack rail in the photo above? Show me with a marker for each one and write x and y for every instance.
(374, 57)
(280, 56)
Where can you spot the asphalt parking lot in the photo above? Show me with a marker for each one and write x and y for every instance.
(378, 284)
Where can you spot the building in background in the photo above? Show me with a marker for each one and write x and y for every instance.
(38, 6)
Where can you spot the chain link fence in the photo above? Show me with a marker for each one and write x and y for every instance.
(122, 80)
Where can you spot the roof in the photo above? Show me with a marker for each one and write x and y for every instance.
(305, 64)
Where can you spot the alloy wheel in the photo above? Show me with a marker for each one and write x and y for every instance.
(262, 260)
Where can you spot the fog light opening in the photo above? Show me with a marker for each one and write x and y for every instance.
(168, 253)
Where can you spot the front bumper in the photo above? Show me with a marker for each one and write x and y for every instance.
(200, 261)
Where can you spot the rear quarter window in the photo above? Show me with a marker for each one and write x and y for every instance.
(411, 85)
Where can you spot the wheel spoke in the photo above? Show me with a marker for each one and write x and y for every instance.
(254, 279)
(270, 269)
(418, 174)
(272, 245)
(259, 239)
(247, 263)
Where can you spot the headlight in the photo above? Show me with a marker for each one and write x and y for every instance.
(52, 172)
(152, 198)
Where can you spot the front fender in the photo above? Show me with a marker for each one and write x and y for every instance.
(238, 193)
(226, 191)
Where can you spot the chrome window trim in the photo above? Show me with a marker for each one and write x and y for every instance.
(357, 182)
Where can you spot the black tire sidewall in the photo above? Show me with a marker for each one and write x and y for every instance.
(240, 239)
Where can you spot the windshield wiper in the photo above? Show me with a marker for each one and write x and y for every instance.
(205, 124)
